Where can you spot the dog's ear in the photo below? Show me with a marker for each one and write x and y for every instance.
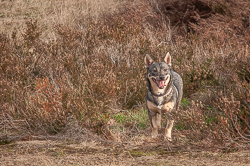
(148, 60)
(167, 59)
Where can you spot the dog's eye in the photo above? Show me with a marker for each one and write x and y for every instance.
(154, 70)
(165, 70)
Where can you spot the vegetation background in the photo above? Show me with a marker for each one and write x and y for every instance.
(69, 64)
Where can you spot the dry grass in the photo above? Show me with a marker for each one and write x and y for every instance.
(74, 13)
(85, 60)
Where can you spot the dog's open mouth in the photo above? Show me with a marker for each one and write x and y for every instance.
(160, 84)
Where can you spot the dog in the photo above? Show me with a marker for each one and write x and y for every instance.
(165, 90)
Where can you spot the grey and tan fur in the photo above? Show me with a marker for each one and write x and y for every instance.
(165, 90)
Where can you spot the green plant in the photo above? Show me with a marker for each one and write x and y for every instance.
(185, 103)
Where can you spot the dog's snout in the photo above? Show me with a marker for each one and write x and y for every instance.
(162, 77)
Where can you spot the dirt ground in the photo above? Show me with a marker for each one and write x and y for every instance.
(89, 151)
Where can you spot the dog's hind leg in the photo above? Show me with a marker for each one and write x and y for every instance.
(168, 129)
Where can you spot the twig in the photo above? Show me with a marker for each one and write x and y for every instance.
(161, 43)
(239, 131)
(52, 78)
(232, 140)
(125, 98)
(131, 155)
(103, 132)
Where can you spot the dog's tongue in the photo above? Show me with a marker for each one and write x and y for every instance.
(161, 84)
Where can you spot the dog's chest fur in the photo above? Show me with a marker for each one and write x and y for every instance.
(160, 104)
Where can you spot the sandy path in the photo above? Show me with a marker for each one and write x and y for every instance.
(61, 153)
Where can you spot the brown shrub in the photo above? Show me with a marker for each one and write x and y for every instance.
(88, 70)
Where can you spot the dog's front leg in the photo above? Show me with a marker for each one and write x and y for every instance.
(156, 123)
(168, 129)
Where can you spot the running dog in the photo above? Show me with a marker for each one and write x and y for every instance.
(165, 90)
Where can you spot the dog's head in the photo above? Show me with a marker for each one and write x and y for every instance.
(158, 73)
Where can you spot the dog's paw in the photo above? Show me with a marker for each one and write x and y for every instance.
(154, 132)
(154, 135)
(168, 138)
